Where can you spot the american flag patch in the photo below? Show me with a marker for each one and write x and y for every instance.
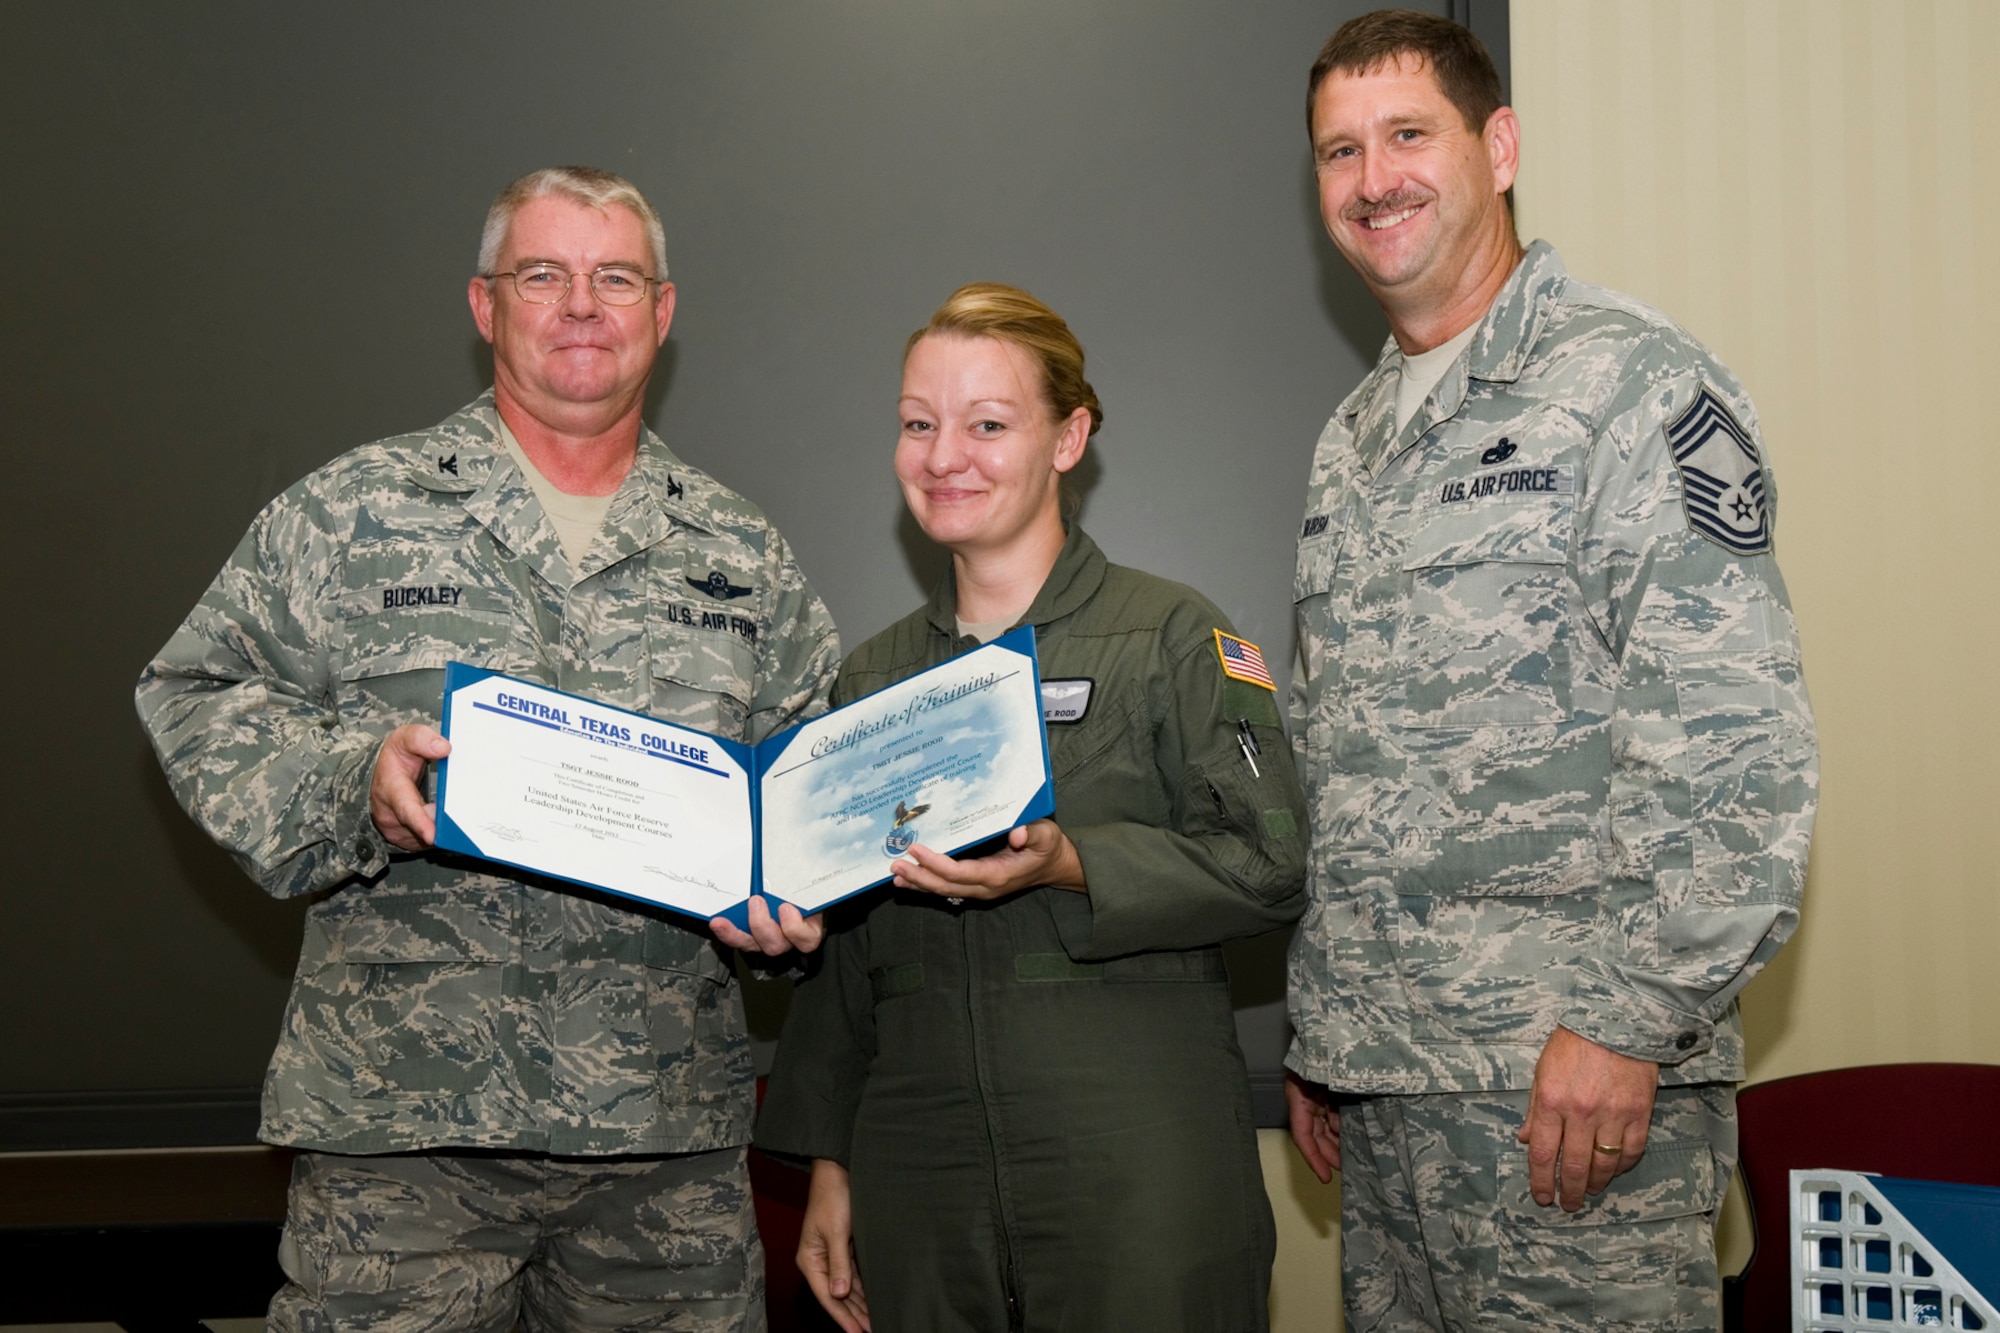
(1242, 661)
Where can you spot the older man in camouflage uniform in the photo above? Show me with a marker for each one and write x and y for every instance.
(1559, 757)
(515, 1101)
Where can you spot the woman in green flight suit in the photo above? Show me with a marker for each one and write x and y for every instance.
(1017, 1075)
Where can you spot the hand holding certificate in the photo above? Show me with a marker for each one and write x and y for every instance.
(554, 783)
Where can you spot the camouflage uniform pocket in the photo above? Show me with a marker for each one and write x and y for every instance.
(1674, 1178)
(1484, 639)
(410, 991)
(670, 947)
(1633, 1247)
(1318, 562)
(701, 679)
(693, 1018)
(1322, 633)
(1746, 751)
(1482, 969)
(392, 661)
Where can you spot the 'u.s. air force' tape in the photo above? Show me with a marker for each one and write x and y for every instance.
(1722, 478)
(1493, 483)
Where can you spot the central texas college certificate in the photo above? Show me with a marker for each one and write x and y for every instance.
(619, 801)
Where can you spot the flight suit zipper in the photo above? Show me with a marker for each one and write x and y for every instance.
(996, 1153)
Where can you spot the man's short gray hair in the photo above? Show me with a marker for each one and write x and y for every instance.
(583, 185)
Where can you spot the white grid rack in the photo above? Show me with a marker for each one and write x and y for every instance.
(1858, 1264)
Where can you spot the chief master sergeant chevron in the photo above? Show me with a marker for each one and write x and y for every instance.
(513, 1101)
(1559, 758)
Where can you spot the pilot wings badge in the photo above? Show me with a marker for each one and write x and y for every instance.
(718, 586)
(903, 835)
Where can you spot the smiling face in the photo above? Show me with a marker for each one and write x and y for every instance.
(1413, 197)
(578, 365)
(980, 455)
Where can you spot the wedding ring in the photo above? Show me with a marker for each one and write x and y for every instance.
(1612, 1150)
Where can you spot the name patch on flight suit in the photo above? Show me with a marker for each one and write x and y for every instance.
(1066, 700)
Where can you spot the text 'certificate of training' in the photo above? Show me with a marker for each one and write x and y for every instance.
(948, 758)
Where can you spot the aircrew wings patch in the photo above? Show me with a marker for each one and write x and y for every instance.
(1241, 660)
(1722, 478)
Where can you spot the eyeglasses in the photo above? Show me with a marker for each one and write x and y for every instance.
(546, 284)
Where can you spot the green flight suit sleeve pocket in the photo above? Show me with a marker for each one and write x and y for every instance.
(1250, 703)
(1255, 807)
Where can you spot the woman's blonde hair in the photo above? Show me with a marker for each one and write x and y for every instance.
(995, 310)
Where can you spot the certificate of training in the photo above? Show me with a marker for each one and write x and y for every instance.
(614, 800)
(947, 758)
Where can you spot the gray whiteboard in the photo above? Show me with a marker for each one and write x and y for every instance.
(240, 235)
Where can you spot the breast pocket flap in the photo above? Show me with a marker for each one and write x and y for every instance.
(1528, 533)
(711, 661)
(461, 927)
(426, 635)
(1318, 562)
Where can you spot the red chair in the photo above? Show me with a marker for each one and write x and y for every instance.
(1922, 1122)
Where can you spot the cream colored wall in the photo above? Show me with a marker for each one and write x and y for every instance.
(1813, 188)
(1305, 1279)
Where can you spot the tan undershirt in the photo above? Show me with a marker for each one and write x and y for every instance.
(577, 519)
(986, 631)
(1420, 373)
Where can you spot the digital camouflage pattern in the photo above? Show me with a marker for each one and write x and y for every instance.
(1556, 742)
(471, 1241)
(440, 1001)
(1440, 1232)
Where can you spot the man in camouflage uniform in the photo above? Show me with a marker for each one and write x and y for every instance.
(513, 1100)
(1558, 754)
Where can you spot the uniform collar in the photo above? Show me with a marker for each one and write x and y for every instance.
(1515, 320)
(461, 451)
(1075, 578)
(465, 457)
(1507, 336)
